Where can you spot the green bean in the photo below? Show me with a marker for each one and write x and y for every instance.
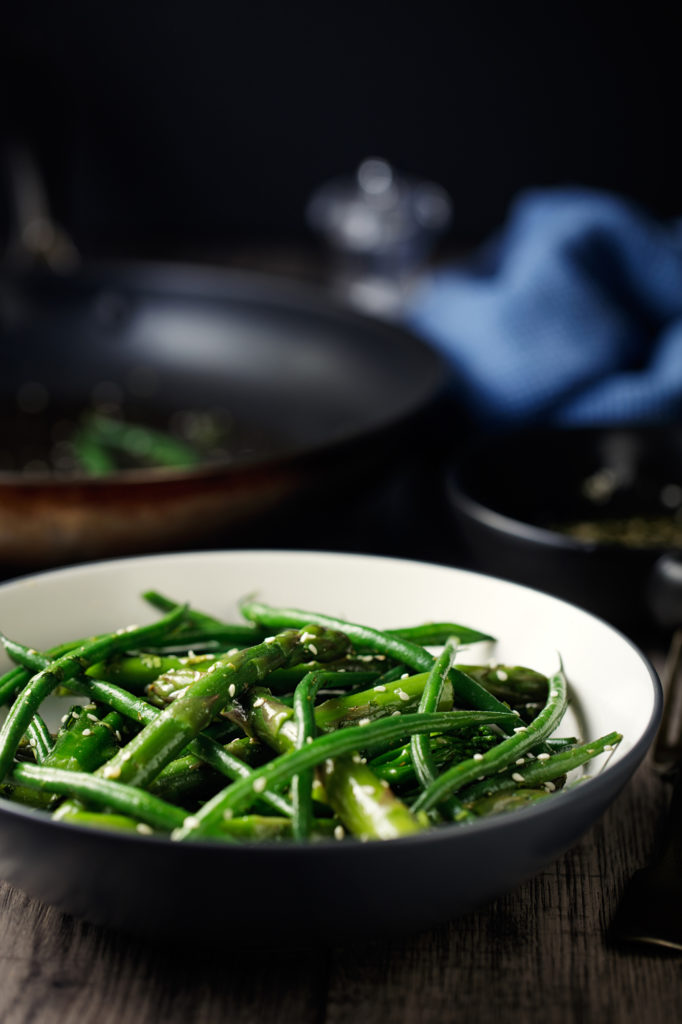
(240, 795)
(424, 766)
(435, 634)
(137, 441)
(64, 668)
(129, 800)
(466, 689)
(306, 730)
(542, 770)
(39, 738)
(507, 751)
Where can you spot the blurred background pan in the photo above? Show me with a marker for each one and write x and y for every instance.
(312, 396)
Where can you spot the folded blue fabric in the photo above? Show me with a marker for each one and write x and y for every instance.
(572, 316)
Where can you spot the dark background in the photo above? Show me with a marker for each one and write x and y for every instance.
(177, 129)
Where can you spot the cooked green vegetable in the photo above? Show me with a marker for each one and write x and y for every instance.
(325, 729)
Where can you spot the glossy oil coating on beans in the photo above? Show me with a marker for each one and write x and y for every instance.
(288, 726)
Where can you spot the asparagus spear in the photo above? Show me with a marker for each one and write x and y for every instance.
(363, 802)
(168, 734)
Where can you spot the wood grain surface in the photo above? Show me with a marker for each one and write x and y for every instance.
(539, 954)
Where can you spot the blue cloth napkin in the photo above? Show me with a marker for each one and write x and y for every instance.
(572, 316)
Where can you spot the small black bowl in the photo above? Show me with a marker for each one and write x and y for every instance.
(515, 498)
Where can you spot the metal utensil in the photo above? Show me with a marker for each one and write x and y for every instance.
(650, 910)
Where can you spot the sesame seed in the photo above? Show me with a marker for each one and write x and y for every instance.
(191, 821)
(312, 648)
(521, 760)
(364, 721)
(259, 784)
(405, 675)
(258, 702)
(554, 693)
(32, 741)
(229, 813)
(380, 688)
(402, 695)
(502, 675)
(93, 718)
(309, 739)
(520, 728)
(64, 718)
(394, 713)
(87, 732)
(543, 757)
(339, 832)
(550, 787)
(608, 746)
(111, 771)
(270, 639)
(144, 829)
(232, 689)
(517, 776)
(478, 757)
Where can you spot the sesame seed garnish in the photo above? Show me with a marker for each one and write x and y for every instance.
(339, 832)
(364, 721)
(517, 776)
(258, 702)
(93, 718)
(380, 688)
(312, 648)
(402, 695)
(550, 787)
(112, 771)
(520, 760)
(231, 690)
(478, 757)
(554, 693)
(191, 821)
(520, 728)
(543, 757)
(394, 713)
(309, 739)
(87, 732)
(502, 675)
(270, 639)
(32, 741)
(259, 784)
(144, 829)
(229, 813)
(405, 675)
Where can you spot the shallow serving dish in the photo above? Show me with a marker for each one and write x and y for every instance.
(269, 893)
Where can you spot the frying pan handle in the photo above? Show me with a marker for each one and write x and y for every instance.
(35, 239)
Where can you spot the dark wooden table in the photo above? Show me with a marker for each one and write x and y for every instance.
(539, 954)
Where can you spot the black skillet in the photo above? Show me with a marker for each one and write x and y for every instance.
(318, 395)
